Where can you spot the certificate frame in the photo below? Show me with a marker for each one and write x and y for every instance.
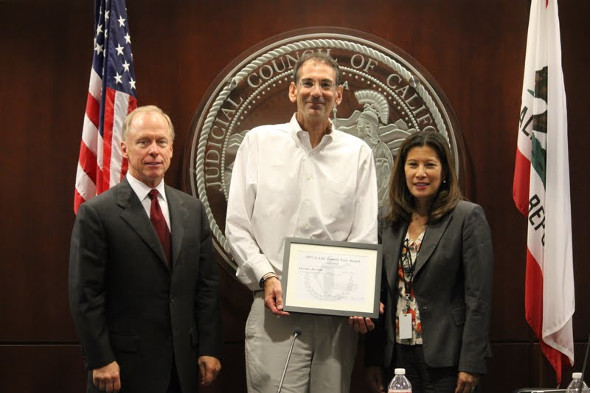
(331, 277)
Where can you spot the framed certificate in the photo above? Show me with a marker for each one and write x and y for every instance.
(331, 277)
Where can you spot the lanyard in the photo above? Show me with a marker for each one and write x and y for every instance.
(407, 264)
(408, 267)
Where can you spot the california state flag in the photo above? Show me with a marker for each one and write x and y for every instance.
(541, 189)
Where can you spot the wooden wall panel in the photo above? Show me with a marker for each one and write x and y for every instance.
(474, 49)
(41, 368)
(42, 99)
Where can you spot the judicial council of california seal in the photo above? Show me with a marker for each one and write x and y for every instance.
(387, 96)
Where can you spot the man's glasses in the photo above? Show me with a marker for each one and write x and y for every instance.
(324, 85)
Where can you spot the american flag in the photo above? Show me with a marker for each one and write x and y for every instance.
(111, 96)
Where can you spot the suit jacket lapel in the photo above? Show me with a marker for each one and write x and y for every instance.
(430, 240)
(135, 215)
(178, 222)
(392, 238)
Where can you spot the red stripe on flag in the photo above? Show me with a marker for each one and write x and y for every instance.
(521, 183)
(104, 183)
(557, 359)
(87, 161)
(92, 109)
(78, 200)
(534, 313)
(534, 294)
(87, 158)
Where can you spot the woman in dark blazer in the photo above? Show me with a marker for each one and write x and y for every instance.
(437, 276)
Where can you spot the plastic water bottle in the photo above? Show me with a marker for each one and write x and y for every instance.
(573, 387)
(399, 384)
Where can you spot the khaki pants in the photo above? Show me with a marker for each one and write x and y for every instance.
(321, 361)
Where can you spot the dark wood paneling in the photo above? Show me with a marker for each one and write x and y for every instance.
(41, 368)
(44, 82)
(474, 49)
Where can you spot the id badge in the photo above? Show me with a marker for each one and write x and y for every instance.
(405, 326)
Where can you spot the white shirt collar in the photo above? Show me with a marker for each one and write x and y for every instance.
(142, 190)
(297, 132)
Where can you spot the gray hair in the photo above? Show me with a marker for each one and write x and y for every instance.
(144, 109)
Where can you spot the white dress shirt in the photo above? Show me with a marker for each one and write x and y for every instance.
(281, 187)
(142, 191)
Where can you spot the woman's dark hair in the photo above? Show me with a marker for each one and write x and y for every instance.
(402, 203)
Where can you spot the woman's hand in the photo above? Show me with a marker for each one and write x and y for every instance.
(466, 382)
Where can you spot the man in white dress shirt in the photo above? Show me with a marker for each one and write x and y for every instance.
(308, 180)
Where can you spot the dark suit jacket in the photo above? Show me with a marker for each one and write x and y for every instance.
(452, 286)
(126, 304)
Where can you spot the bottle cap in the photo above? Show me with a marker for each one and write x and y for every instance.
(399, 371)
(577, 375)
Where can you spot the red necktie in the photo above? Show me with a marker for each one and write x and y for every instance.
(160, 226)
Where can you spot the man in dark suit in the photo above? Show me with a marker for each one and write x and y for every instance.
(146, 311)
